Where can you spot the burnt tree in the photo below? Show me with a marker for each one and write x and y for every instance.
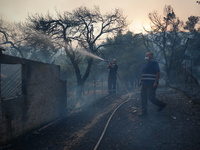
(82, 28)
(169, 43)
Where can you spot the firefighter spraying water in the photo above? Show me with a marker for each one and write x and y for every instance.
(112, 76)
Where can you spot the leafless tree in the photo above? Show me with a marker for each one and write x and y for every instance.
(170, 43)
(83, 28)
(9, 38)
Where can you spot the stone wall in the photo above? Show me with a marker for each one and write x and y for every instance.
(43, 99)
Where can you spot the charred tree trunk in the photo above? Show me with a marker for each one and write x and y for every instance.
(80, 79)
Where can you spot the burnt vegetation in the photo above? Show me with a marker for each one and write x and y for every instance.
(64, 39)
(56, 39)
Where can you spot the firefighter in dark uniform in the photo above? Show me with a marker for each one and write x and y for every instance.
(149, 82)
(112, 76)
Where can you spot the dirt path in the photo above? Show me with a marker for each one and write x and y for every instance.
(80, 134)
(177, 127)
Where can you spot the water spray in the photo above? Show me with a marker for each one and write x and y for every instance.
(105, 128)
(86, 53)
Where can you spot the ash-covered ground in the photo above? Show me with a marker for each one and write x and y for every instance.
(177, 127)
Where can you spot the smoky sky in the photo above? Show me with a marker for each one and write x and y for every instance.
(136, 11)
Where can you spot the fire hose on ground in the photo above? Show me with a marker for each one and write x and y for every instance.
(106, 126)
